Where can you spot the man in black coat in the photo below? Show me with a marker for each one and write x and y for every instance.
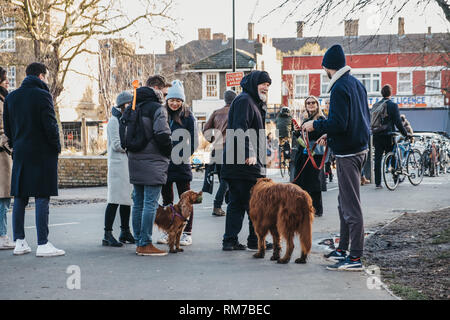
(244, 161)
(32, 130)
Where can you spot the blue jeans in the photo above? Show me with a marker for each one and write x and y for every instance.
(18, 218)
(222, 191)
(145, 203)
(4, 206)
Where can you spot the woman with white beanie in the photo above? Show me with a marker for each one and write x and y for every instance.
(180, 117)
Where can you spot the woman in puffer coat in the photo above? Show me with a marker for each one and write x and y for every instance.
(180, 117)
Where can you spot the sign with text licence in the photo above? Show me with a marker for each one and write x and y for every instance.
(233, 79)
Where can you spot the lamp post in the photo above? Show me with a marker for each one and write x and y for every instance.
(234, 42)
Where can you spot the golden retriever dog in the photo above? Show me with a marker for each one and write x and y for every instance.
(282, 209)
(173, 218)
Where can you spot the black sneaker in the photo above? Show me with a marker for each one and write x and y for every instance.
(233, 246)
(336, 255)
(348, 264)
(269, 246)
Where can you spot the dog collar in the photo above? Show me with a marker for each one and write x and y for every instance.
(175, 213)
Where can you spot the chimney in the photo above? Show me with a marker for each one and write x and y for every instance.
(264, 39)
(219, 36)
(169, 46)
(401, 26)
(251, 31)
(258, 38)
(300, 25)
(204, 34)
(429, 31)
(351, 28)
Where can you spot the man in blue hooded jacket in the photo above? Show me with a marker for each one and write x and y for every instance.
(347, 133)
(244, 160)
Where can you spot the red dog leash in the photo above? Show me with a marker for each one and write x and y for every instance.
(310, 156)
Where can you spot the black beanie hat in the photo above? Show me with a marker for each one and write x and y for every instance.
(334, 58)
(264, 77)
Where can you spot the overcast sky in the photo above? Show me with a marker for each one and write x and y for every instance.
(217, 15)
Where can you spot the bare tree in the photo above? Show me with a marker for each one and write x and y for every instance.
(59, 30)
(325, 8)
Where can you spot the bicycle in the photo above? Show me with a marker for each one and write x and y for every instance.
(399, 164)
(284, 157)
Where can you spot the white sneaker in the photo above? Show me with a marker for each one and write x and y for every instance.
(48, 250)
(185, 240)
(22, 247)
(6, 243)
(164, 239)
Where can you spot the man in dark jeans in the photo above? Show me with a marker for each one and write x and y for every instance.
(218, 121)
(347, 133)
(383, 141)
(247, 115)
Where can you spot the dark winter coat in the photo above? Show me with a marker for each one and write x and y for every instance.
(33, 133)
(393, 119)
(182, 171)
(149, 166)
(284, 123)
(310, 179)
(247, 111)
(348, 123)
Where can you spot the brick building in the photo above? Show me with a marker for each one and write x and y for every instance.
(415, 65)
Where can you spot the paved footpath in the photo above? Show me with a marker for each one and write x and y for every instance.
(203, 271)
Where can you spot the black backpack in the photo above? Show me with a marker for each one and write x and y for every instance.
(131, 129)
(378, 117)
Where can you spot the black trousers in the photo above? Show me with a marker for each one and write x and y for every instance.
(237, 207)
(383, 144)
(317, 202)
(110, 215)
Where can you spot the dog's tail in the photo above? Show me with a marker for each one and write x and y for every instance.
(308, 207)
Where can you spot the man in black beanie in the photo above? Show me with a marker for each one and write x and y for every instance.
(247, 114)
(346, 131)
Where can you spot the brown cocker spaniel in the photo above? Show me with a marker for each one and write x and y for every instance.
(172, 219)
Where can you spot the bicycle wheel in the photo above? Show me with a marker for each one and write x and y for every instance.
(391, 169)
(414, 167)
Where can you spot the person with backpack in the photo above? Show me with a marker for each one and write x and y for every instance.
(119, 187)
(180, 118)
(148, 161)
(384, 116)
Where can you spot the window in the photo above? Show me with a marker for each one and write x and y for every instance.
(7, 34)
(404, 82)
(11, 78)
(301, 86)
(237, 89)
(325, 81)
(370, 80)
(211, 85)
(433, 82)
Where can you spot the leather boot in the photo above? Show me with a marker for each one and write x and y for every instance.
(110, 241)
(126, 236)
